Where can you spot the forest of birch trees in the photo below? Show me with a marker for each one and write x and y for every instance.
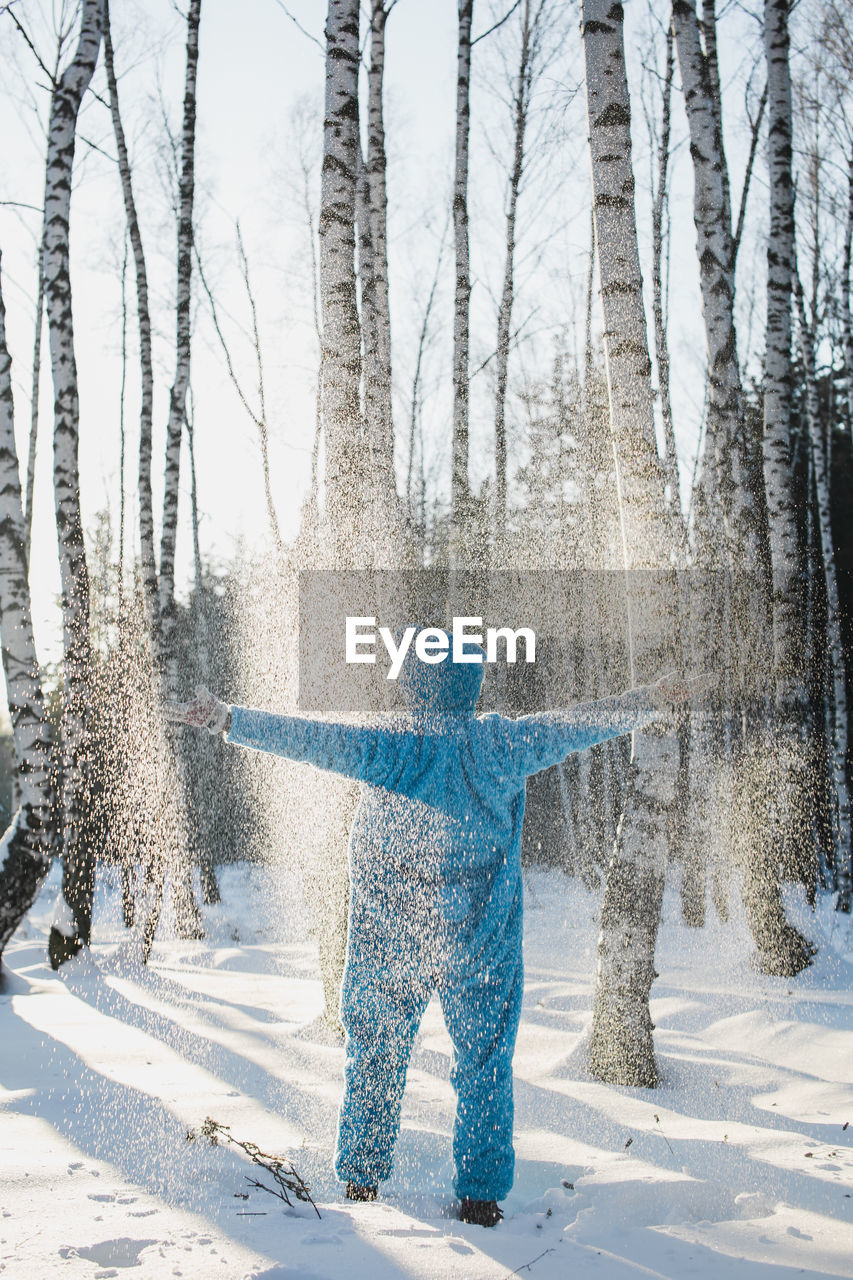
(590, 312)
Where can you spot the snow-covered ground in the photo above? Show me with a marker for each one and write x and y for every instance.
(739, 1165)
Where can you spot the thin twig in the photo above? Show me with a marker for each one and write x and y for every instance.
(495, 26)
(744, 195)
(7, 8)
(527, 1265)
(298, 24)
(262, 424)
(95, 147)
(513, 340)
(214, 313)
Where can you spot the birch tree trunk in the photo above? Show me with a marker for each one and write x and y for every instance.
(460, 493)
(661, 344)
(346, 465)
(348, 479)
(732, 482)
(846, 313)
(789, 954)
(709, 37)
(843, 851)
(34, 402)
(72, 926)
(530, 20)
(712, 218)
(621, 1049)
(683, 847)
(380, 448)
(31, 837)
(174, 853)
(381, 427)
(178, 396)
(778, 378)
(204, 750)
(146, 409)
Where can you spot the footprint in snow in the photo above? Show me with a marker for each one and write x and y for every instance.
(123, 1252)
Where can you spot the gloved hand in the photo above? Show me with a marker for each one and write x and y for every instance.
(205, 711)
(673, 688)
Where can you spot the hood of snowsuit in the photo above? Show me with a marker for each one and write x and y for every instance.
(444, 688)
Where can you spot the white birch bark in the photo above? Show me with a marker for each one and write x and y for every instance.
(148, 564)
(31, 838)
(73, 929)
(204, 750)
(778, 379)
(729, 487)
(531, 16)
(788, 953)
(382, 429)
(347, 477)
(846, 313)
(621, 1048)
(353, 542)
(178, 396)
(712, 218)
(374, 403)
(174, 853)
(843, 850)
(659, 204)
(709, 39)
(34, 403)
(460, 493)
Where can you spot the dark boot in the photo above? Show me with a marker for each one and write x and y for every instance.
(481, 1213)
(356, 1192)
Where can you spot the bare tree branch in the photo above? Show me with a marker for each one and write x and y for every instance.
(495, 25)
(747, 177)
(298, 24)
(7, 8)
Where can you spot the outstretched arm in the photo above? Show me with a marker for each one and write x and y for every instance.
(540, 740)
(364, 752)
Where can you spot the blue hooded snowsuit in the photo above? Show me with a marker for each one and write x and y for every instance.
(436, 897)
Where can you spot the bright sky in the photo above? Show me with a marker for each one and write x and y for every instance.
(255, 69)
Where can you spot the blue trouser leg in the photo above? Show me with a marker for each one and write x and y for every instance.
(482, 1013)
(381, 1009)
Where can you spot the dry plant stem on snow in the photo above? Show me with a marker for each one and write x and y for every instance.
(282, 1171)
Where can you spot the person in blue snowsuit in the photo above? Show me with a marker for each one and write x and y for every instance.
(436, 896)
